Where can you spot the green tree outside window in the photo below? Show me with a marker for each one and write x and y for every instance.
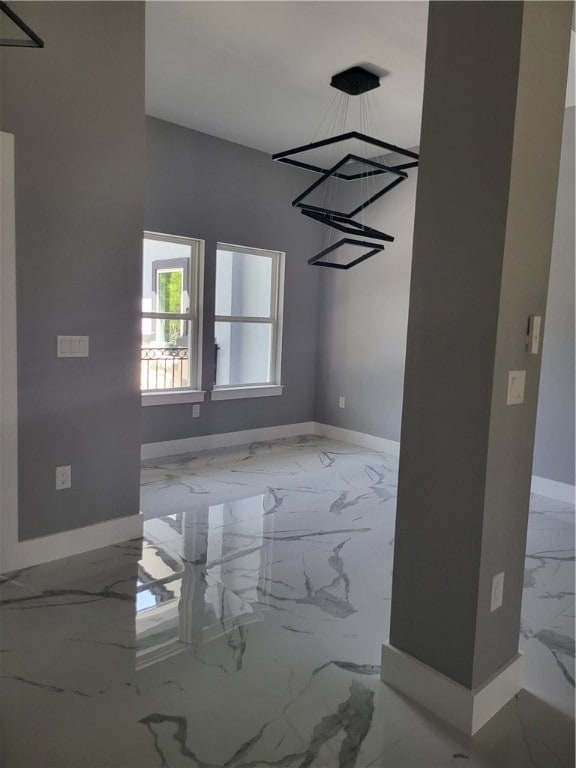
(170, 300)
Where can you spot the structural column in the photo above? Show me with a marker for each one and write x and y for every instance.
(490, 147)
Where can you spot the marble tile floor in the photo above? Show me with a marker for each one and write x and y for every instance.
(244, 631)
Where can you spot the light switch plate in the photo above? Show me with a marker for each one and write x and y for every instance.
(516, 385)
(534, 332)
(72, 346)
(341, 402)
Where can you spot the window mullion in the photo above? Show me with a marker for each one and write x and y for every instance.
(169, 315)
(241, 319)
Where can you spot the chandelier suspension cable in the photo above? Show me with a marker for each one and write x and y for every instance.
(332, 106)
(380, 109)
(368, 123)
(364, 180)
(338, 127)
(331, 117)
(376, 109)
(333, 182)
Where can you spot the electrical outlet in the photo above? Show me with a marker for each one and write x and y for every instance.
(63, 478)
(341, 402)
(196, 410)
(497, 591)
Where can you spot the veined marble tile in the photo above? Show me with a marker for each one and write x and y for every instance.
(549, 662)
(550, 506)
(244, 630)
(176, 484)
(548, 577)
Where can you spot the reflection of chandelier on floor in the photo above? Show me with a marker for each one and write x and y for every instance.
(365, 176)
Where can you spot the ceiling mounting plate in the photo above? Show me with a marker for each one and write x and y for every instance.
(355, 81)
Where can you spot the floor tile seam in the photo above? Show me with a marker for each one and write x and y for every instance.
(405, 736)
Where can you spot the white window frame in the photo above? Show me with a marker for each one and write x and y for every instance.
(193, 393)
(275, 319)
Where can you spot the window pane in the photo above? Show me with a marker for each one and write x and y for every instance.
(166, 277)
(243, 353)
(165, 354)
(169, 290)
(243, 284)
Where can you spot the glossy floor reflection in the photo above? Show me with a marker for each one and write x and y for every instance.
(245, 630)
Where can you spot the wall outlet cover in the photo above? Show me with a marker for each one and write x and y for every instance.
(497, 593)
(63, 477)
(341, 402)
(195, 410)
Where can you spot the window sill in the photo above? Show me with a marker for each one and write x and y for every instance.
(173, 398)
(237, 393)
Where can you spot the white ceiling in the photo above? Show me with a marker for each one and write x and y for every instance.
(258, 73)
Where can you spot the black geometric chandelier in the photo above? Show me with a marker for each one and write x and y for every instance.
(31, 39)
(348, 185)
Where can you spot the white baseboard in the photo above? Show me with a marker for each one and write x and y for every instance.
(553, 489)
(23, 554)
(359, 438)
(225, 439)
(467, 710)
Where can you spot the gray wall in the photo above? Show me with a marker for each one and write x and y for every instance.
(363, 324)
(200, 186)
(77, 111)
(364, 315)
(554, 448)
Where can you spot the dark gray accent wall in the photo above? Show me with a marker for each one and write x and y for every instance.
(363, 323)
(200, 186)
(554, 447)
(76, 108)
